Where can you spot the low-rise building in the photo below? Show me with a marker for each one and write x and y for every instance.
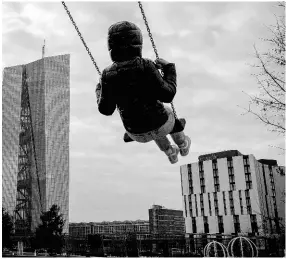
(115, 229)
(166, 223)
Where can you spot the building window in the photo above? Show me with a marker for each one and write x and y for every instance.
(240, 202)
(247, 201)
(190, 176)
(214, 164)
(216, 203)
(216, 211)
(194, 224)
(232, 186)
(191, 205)
(224, 202)
(185, 205)
(231, 178)
(253, 221)
(236, 223)
(202, 177)
(247, 177)
(247, 172)
(216, 181)
(231, 204)
(215, 175)
(231, 174)
(220, 224)
(245, 160)
(201, 166)
(249, 185)
(210, 209)
(273, 193)
(206, 224)
(196, 205)
(202, 204)
(203, 189)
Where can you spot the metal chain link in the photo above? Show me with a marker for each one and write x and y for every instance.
(153, 45)
(174, 111)
(148, 29)
(79, 34)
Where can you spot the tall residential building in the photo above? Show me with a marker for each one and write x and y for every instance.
(35, 144)
(227, 192)
(166, 223)
(116, 229)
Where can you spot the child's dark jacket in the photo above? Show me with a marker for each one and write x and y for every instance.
(137, 89)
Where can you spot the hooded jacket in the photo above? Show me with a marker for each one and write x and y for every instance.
(133, 84)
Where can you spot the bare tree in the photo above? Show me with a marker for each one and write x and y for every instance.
(269, 105)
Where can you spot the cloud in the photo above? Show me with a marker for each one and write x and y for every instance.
(40, 21)
(234, 19)
(11, 21)
(32, 19)
(204, 97)
(199, 62)
(183, 33)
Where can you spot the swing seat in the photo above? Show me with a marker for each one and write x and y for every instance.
(178, 127)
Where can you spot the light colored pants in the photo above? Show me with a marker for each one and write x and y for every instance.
(160, 135)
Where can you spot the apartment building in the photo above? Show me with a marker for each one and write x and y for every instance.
(230, 193)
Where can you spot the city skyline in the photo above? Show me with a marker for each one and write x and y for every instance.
(212, 50)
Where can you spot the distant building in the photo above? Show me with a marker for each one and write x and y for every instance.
(35, 140)
(115, 229)
(231, 193)
(166, 223)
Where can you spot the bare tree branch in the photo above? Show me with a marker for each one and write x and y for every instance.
(270, 102)
(270, 95)
(265, 120)
(269, 73)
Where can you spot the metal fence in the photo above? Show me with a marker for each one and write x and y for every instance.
(267, 246)
(192, 246)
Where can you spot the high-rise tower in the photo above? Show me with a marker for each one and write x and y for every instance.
(35, 145)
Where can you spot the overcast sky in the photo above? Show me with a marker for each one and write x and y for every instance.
(212, 47)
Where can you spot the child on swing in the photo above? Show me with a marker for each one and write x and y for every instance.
(135, 86)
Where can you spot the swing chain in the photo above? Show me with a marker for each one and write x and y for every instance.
(153, 45)
(174, 111)
(79, 34)
(148, 29)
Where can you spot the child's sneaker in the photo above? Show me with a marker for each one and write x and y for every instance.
(185, 148)
(172, 154)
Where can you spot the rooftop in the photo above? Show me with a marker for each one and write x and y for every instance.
(218, 155)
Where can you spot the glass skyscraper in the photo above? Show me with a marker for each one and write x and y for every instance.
(35, 139)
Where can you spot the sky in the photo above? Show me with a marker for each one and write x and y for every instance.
(212, 47)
